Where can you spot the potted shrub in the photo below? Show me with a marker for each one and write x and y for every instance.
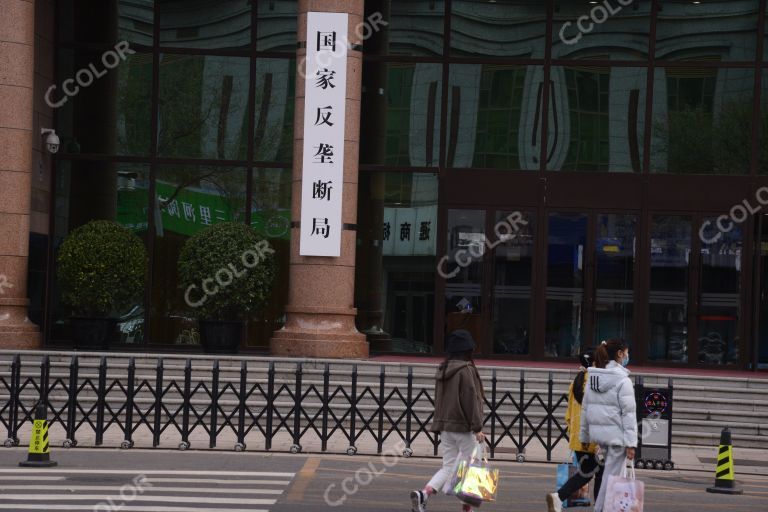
(226, 272)
(102, 271)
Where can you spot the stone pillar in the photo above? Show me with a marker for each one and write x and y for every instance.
(320, 314)
(17, 44)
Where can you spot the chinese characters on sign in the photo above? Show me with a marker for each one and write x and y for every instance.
(325, 90)
(409, 231)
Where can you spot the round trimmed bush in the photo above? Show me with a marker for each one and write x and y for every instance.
(102, 269)
(234, 264)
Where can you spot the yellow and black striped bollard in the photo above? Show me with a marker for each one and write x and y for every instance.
(39, 455)
(725, 475)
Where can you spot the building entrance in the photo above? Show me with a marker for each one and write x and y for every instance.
(590, 283)
(762, 295)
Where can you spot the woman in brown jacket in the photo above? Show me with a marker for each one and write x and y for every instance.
(458, 413)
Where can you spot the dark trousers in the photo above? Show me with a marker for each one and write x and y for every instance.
(588, 467)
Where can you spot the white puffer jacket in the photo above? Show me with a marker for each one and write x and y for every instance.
(608, 411)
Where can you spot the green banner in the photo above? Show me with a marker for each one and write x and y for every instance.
(191, 210)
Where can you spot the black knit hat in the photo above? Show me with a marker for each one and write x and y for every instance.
(458, 341)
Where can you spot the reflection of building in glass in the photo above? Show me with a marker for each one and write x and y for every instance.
(613, 148)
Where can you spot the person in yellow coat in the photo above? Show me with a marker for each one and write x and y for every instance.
(585, 453)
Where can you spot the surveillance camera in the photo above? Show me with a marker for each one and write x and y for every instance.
(52, 141)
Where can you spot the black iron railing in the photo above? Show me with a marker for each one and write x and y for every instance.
(263, 404)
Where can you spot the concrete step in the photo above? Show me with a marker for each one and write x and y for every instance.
(694, 438)
(722, 416)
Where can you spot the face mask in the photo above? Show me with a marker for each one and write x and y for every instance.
(625, 361)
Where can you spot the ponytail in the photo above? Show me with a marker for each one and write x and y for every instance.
(607, 351)
(578, 387)
(586, 359)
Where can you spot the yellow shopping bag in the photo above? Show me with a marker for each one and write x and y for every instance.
(478, 482)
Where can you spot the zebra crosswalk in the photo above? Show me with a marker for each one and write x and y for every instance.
(78, 490)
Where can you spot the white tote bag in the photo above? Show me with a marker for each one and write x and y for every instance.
(624, 493)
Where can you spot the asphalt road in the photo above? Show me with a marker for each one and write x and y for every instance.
(102, 480)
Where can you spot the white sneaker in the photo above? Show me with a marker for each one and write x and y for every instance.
(418, 501)
(553, 503)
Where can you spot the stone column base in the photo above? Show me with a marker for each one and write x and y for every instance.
(21, 340)
(16, 331)
(286, 343)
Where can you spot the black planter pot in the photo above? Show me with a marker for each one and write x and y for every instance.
(92, 333)
(220, 336)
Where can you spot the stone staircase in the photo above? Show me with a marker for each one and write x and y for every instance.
(702, 406)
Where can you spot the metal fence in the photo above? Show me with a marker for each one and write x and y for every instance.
(387, 407)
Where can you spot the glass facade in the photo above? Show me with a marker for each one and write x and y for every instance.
(396, 260)
(671, 245)
(195, 127)
(512, 286)
(615, 145)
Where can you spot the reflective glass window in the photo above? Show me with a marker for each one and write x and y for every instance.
(719, 103)
(720, 295)
(204, 24)
(203, 105)
(104, 110)
(401, 114)
(762, 342)
(566, 244)
(187, 200)
(607, 30)
(271, 218)
(670, 273)
(493, 118)
(723, 30)
(762, 128)
(396, 263)
(463, 270)
(276, 25)
(99, 190)
(105, 23)
(403, 27)
(597, 118)
(274, 104)
(615, 246)
(513, 238)
(504, 28)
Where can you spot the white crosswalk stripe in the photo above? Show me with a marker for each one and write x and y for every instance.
(107, 488)
(156, 490)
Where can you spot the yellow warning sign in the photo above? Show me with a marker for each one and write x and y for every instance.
(39, 442)
(725, 469)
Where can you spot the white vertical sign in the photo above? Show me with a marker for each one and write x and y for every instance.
(325, 92)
